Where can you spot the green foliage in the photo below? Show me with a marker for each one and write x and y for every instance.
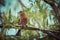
(39, 16)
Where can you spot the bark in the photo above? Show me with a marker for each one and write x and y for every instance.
(33, 29)
(52, 35)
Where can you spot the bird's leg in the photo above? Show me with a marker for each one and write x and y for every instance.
(26, 25)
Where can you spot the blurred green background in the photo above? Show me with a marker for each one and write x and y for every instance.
(40, 15)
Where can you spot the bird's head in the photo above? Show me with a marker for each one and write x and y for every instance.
(21, 12)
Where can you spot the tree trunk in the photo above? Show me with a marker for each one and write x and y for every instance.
(3, 37)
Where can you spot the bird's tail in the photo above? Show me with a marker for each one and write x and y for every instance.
(19, 32)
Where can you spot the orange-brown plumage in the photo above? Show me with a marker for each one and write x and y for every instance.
(23, 18)
(23, 21)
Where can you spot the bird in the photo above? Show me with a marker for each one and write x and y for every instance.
(22, 22)
(23, 18)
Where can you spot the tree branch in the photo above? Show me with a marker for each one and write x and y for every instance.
(22, 3)
(57, 14)
(55, 9)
